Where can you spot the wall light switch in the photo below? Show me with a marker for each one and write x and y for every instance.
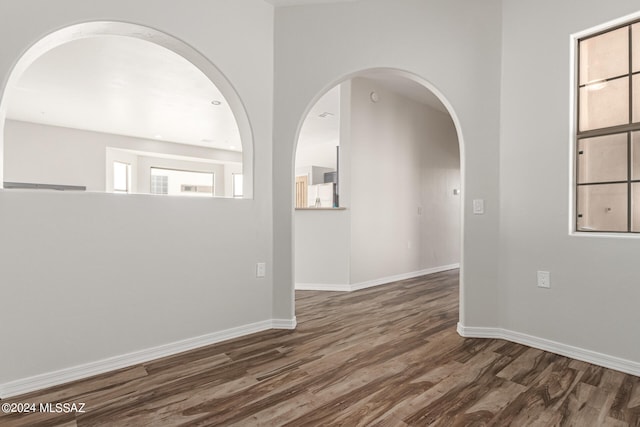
(478, 206)
(261, 269)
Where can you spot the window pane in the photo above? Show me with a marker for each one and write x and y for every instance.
(237, 185)
(635, 206)
(636, 98)
(604, 56)
(604, 105)
(602, 159)
(635, 155)
(181, 182)
(635, 31)
(602, 207)
(120, 177)
(159, 184)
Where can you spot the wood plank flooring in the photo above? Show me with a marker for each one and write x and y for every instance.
(384, 356)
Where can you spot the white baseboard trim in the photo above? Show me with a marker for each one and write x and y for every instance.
(284, 323)
(404, 276)
(322, 287)
(62, 376)
(589, 356)
(372, 283)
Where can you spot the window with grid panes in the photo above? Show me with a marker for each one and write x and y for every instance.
(608, 137)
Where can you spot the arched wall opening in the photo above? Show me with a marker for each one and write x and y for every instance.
(91, 30)
(335, 255)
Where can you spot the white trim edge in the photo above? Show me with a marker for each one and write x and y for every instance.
(62, 376)
(589, 356)
(322, 287)
(404, 276)
(284, 323)
(374, 282)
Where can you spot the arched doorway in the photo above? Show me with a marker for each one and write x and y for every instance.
(401, 172)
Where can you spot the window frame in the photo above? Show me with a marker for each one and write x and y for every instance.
(577, 135)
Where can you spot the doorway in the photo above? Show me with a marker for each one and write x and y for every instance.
(400, 188)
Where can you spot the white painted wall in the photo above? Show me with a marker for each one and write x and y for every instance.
(322, 247)
(404, 163)
(87, 276)
(36, 153)
(323, 155)
(593, 300)
(453, 46)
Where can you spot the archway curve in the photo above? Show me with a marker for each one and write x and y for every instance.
(454, 117)
(179, 47)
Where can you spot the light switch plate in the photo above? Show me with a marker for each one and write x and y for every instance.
(261, 269)
(478, 206)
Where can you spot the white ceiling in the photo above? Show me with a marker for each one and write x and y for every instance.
(125, 86)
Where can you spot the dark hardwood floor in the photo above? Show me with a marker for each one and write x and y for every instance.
(384, 356)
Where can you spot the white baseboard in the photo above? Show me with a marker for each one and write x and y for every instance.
(372, 283)
(50, 379)
(284, 323)
(404, 276)
(600, 359)
(322, 287)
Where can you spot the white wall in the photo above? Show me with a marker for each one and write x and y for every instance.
(453, 46)
(322, 247)
(593, 300)
(88, 276)
(36, 153)
(404, 167)
(323, 155)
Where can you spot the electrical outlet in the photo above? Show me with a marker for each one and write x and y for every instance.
(544, 279)
(261, 269)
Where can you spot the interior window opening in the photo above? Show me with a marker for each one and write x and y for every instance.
(129, 104)
(317, 162)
